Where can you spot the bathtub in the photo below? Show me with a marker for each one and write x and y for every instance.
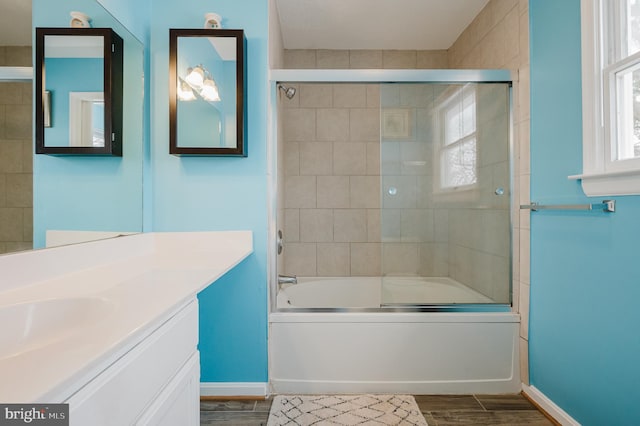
(360, 347)
(372, 292)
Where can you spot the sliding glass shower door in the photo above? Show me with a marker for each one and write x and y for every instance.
(445, 205)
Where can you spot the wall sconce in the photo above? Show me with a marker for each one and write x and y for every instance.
(79, 20)
(198, 81)
(212, 21)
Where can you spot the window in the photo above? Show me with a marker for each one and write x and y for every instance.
(457, 148)
(611, 97)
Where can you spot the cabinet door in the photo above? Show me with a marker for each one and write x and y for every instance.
(179, 402)
(118, 396)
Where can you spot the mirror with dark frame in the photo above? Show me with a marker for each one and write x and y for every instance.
(207, 92)
(79, 91)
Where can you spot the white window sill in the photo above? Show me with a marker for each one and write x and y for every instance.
(610, 183)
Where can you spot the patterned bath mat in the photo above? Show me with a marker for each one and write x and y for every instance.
(345, 410)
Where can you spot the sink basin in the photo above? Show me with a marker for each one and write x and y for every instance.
(31, 325)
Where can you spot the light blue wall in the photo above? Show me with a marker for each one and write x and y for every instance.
(132, 14)
(88, 192)
(584, 345)
(211, 193)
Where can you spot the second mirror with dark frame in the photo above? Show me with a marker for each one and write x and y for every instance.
(78, 91)
(207, 92)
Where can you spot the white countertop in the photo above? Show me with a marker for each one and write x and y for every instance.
(120, 289)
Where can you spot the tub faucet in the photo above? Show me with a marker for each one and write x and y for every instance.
(287, 279)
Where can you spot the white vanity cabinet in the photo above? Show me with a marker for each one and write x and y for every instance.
(155, 383)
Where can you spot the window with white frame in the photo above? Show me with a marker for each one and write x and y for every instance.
(611, 97)
(458, 140)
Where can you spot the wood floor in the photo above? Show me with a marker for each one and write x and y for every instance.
(438, 410)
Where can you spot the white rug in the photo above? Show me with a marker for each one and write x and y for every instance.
(346, 410)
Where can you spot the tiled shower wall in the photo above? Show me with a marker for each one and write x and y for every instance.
(16, 171)
(499, 38)
(331, 189)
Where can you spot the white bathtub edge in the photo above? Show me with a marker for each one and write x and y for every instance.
(431, 317)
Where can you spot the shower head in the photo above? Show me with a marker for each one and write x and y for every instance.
(289, 92)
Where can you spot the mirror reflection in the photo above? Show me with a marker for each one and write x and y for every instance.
(85, 197)
(75, 76)
(207, 99)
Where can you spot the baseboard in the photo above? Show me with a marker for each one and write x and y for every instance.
(240, 389)
(549, 406)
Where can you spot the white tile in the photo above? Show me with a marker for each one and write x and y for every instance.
(417, 225)
(350, 95)
(391, 225)
(365, 259)
(432, 59)
(399, 59)
(11, 224)
(300, 192)
(333, 260)
(365, 59)
(333, 192)
(373, 158)
(316, 158)
(300, 58)
(441, 225)
(400, 258)
(373, 95)
(332, 59)
(364, 192)
(373, 225)
(300, 259)
(350, 158)
(299, 124)
(291, 230)
(364, 124)
(316, 225)
(350, 225)
(333, 124)
(291, 158)
(316, 95)
(19, 190)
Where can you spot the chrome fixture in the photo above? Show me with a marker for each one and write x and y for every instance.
(289, 92)
(608, 206)
(287, 279)
(280, 242)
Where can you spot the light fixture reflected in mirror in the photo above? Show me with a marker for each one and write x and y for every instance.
(185, 92)
(209, 91)
(195, 76)
(198, 81)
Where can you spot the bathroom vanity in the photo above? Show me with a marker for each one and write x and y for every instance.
(111, 327)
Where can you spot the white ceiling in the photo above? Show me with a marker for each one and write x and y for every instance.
(374, 24)
(15, 22)
(327, 24)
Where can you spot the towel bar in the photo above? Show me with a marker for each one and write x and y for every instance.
(608, 206)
